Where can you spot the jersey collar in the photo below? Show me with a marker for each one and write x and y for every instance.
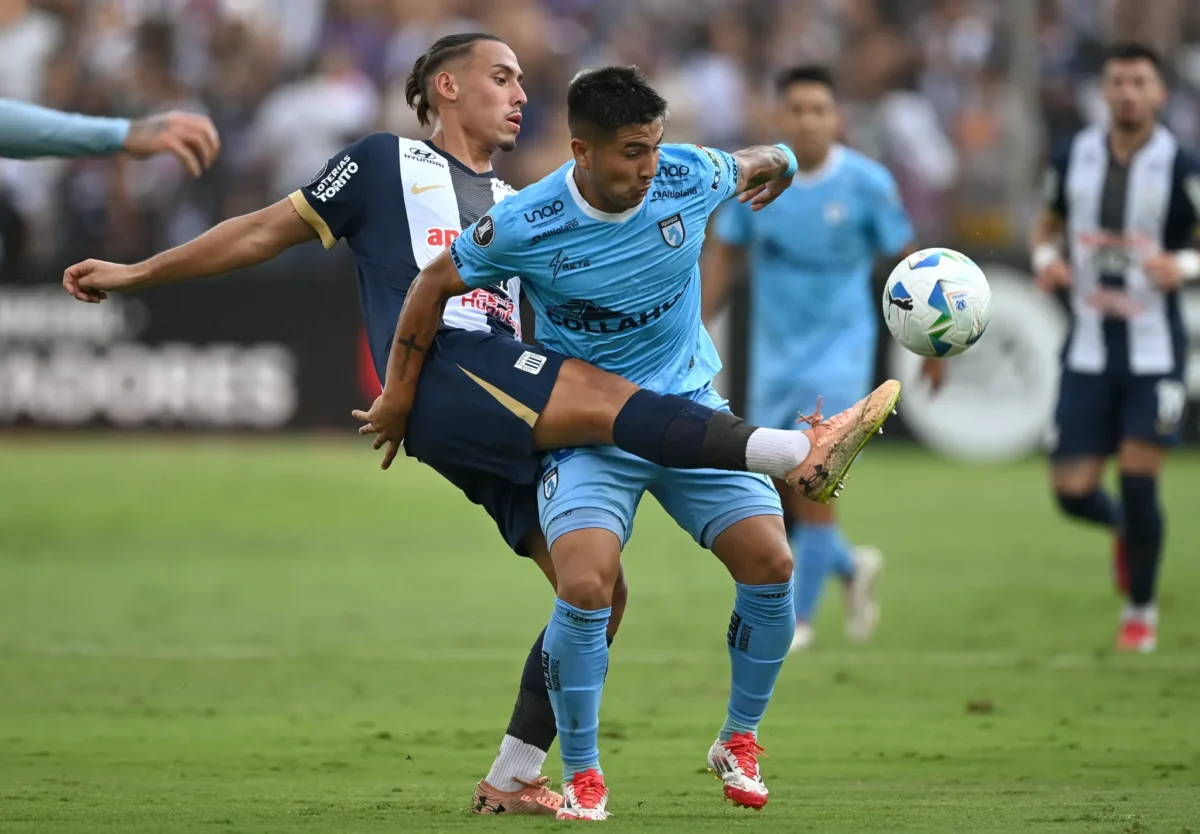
(593, 212)
(832, 162)
(454, 163)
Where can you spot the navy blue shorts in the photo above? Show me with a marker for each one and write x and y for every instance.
(1097, 411)
(473, 417)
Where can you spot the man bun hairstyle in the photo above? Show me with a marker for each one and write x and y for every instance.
(444, 50)
(602, 101)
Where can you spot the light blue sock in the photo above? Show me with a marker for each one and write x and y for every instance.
(760, 633)
(810, 574)
(841, 560)
(575, 661)
(820, 549)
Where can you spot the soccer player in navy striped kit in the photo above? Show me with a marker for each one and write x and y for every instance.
(1125, 200)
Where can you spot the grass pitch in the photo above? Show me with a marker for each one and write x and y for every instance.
(278, 637)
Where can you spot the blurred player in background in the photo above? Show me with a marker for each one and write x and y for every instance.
(487, 400)
(28, 131)
(814, 317)
(1125, 199)
(607, 248)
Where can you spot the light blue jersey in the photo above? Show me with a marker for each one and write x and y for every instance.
(814, 317)
(620, 291)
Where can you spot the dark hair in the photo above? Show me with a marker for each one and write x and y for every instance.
(601, 101)
(1130, 51)
(806, 74)
(416, 88)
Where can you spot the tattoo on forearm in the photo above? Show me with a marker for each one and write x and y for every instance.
(409, 343)
(761, 164)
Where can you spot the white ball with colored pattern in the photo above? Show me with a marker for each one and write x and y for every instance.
(937, 302)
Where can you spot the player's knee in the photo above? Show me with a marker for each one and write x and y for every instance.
(586, 590)
(778, 566)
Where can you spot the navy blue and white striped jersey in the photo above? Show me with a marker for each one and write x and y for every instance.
(1116, 216)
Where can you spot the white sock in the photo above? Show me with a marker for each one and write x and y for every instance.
(516, 760)
(776, 452)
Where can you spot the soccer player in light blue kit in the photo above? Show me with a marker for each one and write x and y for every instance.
(814, 317)
(607, 248)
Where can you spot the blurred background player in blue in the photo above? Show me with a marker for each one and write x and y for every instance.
(814, 316)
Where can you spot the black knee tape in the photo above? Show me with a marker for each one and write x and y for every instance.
(725, 439)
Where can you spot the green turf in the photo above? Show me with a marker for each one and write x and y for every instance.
(278, 637)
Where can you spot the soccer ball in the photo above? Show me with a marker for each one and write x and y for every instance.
(937, 303)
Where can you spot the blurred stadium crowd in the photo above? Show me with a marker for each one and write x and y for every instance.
(929, 88)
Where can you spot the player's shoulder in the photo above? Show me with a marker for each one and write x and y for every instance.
(682, 166)
(375, 144)
(524, 218)
(868, 170)
(871, 176)
(1187, 162)
(550, 190)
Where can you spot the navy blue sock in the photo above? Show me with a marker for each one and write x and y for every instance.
(532, 718)
(1143, 535)
(676, 432)
(1097, 507)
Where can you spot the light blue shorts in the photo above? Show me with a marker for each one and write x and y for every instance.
(601, 487)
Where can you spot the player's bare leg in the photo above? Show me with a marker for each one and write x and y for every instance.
(515, 784)
(592, 407)
(821, 550)
(1141, 463)
(755, 551)
(1076, 485)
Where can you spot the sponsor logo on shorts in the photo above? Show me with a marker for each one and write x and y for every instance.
(530, 362)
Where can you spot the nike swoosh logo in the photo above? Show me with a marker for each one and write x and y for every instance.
(421, 189)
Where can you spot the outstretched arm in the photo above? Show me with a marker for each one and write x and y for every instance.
(28, 131)
(238, 242)
(420, 317)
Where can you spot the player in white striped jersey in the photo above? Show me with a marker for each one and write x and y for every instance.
(1125, 200)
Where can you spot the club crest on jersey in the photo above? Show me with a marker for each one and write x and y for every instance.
(485, 231)
(550, 483)
(673, 231)
(835, 213)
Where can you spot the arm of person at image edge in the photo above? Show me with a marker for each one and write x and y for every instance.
(251, 238)
(732, 232)
(28, 131)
